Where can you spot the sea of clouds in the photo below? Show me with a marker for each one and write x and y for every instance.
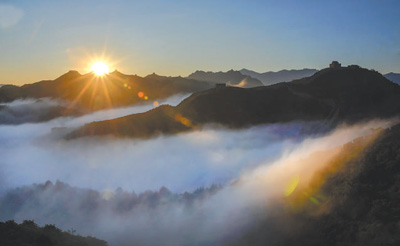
(112, 188)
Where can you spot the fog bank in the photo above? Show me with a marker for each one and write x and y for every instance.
(255, 166)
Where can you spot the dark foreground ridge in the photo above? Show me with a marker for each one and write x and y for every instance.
(29, 233)
(350, 94)
(358, 203)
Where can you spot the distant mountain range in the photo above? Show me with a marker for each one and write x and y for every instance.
(247, 78)
(394, 77)
(231, 77)
(269, 78)
(90, 92)
(331, 95)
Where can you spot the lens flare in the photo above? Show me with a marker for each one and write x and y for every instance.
(183, 120)
(292, 185)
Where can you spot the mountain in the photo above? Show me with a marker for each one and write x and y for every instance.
(357, 203)
(269, 78)
(394, 77)
(29, 233)
(232, 78)
(91, 92)
(332, 96)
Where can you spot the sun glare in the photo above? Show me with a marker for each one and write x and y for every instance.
(100, 68)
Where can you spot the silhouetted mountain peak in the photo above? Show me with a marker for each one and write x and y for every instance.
(154, 76)
(232, 72)
(71, 74)
(394, 77)
(351, 74)
(117, 73)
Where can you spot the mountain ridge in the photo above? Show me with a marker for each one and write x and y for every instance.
(356, 204)
(92, 92)
(231, 78)
(269, 78)
(331, 95)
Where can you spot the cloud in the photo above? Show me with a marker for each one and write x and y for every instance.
(259, 162)
(31, 110)
(9, 16)
(242, 84)
(31, 154)
(39, 110)
(253, 165)
(181, 162)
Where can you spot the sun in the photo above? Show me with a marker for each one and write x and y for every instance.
(100, 68)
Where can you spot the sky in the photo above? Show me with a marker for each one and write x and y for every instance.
(43, 39)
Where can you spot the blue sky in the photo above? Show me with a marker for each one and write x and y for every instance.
(44, 39)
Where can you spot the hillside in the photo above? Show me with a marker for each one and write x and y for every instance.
(91, 92)
(28, 233)
(269, 78)
(232, 78)
(331, 96)
(357, 203)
